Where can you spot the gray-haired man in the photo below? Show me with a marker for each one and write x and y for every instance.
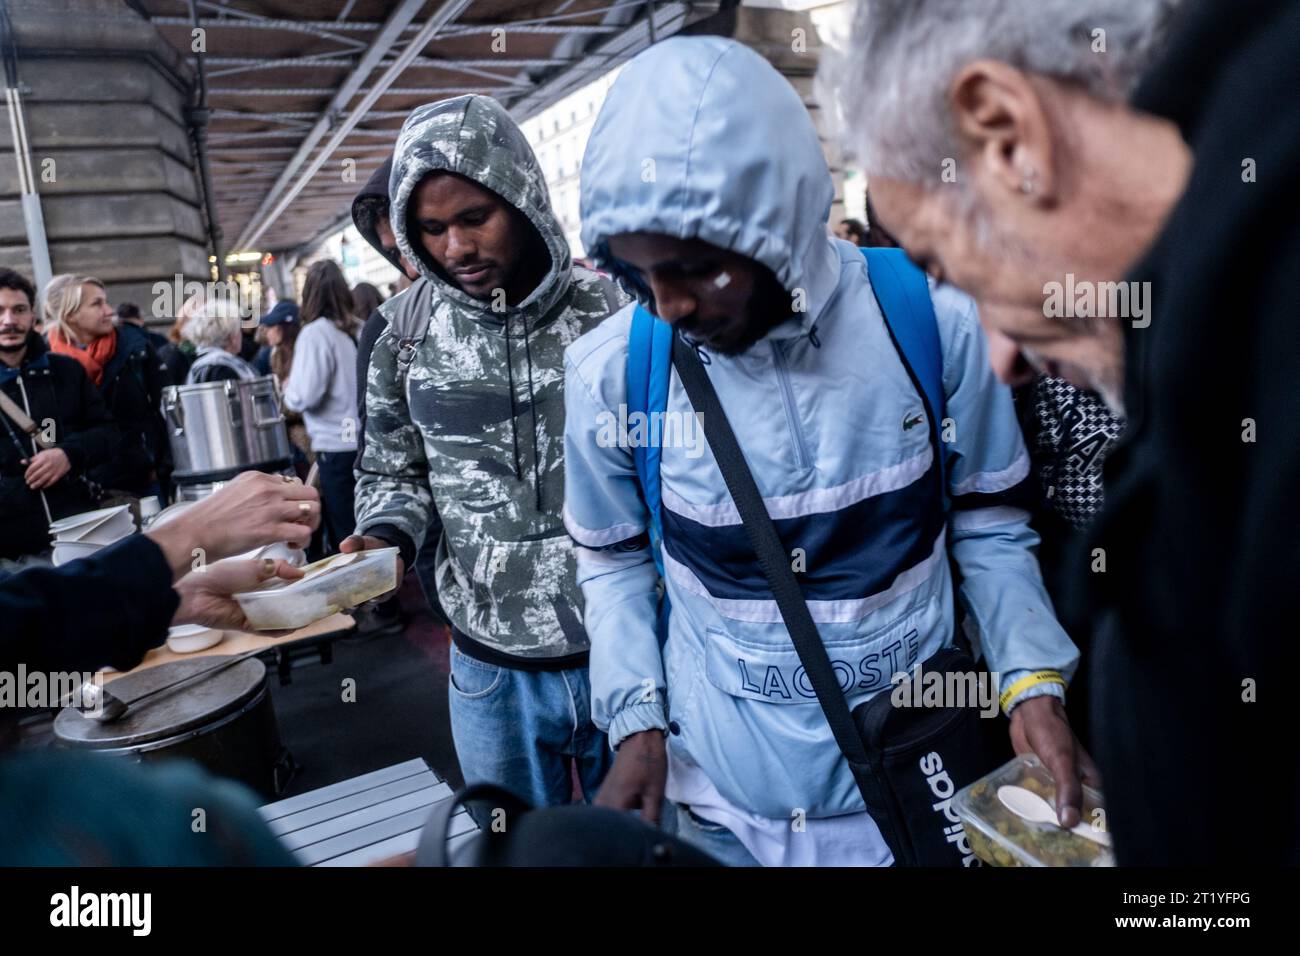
(1010, 159)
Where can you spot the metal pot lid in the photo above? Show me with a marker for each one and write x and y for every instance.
(168, 714)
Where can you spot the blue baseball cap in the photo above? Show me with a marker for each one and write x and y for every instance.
(286, 310)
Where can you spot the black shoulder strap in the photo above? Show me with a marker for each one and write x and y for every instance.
(432, 849)
(771, 554)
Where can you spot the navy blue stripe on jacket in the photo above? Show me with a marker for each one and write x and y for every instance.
(850, 553)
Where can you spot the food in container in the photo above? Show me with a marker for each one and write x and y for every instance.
(334, 584)
(1001, 837)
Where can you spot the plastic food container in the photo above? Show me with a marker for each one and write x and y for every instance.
(334, 584)
(1001, 837)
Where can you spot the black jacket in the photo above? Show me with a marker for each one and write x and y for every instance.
(54, 389)
(132, 389)
(1196, 610)
(109, 608)
(175, 361)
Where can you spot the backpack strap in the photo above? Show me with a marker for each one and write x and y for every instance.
(903, 294)
(649, 368)
(610, 293)
(408, 314)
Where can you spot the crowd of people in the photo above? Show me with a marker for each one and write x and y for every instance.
(1076, 499)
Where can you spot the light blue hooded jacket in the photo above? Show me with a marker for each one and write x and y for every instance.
(702, 138)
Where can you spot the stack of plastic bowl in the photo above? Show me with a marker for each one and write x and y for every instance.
(80, 536)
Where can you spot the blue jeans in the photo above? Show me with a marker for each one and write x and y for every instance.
(519, 729)
(337, 487)
(712, 838)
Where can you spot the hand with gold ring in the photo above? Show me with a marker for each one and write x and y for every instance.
(206, 595)
(252, 511)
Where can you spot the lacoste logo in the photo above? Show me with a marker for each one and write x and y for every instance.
(910, 422)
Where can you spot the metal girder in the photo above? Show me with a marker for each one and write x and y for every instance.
(330, 27)
(391, 91)
(325, 33)
(263, 151)
(330, 60)
(392, 29)
(275, 202)
(667, 18)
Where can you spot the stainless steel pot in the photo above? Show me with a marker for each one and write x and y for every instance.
(225, 722)
(218, 429)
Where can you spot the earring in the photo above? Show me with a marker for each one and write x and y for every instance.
(1027, 180)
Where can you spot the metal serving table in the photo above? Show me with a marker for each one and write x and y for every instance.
(370, 819)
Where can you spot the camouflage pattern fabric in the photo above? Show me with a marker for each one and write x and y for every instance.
(506, 567)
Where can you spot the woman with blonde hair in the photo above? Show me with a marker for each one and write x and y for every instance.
(124, 368)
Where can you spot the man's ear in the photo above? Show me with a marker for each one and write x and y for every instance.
(1003, 125)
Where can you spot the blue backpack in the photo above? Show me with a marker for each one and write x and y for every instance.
(904, 297)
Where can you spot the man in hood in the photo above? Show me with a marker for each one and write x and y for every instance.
(467, 417)
(704, 188)
(370, 208)
(1154, 182)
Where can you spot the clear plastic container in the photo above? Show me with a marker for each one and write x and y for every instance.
(333, 584)
(1001, 837)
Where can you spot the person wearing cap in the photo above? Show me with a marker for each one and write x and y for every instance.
(279, 330)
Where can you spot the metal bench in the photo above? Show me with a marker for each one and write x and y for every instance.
(365, 820)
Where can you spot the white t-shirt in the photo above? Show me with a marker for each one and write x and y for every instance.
(849, 840)
(322, 385)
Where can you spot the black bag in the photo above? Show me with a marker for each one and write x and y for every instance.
(908, 762)
(513, 833)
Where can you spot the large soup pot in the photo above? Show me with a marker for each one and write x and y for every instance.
(226, 723)
(218, 429)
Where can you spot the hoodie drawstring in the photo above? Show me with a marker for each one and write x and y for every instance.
(510, 380)
(532, 408)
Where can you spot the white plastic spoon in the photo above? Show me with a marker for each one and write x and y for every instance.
(1030, 806)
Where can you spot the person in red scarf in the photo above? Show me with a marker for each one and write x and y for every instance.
(124, 368)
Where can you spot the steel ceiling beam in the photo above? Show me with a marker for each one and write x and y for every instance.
(667, 19)
(392, 29)
(275, 203)
(247, 16)
(391, 91)
(332, 60)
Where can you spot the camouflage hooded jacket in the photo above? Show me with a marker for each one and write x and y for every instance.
(478, 430)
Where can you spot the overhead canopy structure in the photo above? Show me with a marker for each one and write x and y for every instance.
(306, 96)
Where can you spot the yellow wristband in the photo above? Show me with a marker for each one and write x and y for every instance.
(1028, 681)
